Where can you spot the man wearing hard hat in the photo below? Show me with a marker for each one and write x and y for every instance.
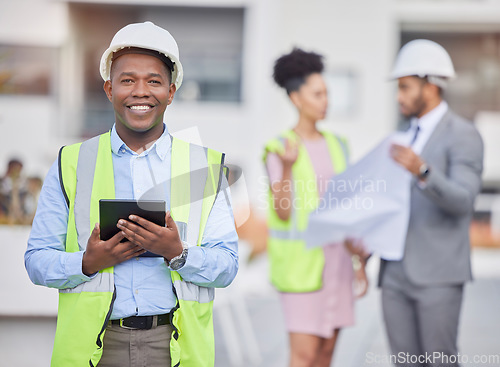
(116, 306)
(422, 293)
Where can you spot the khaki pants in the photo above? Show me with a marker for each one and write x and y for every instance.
(136, 348)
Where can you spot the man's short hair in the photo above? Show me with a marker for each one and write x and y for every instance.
(144, 51)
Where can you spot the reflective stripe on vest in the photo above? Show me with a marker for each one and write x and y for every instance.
(102, 282)
(191, 292)
(286, 235)
(295, 268)
(199, 173)
(191, 175)
(86, 175)
(85, 170)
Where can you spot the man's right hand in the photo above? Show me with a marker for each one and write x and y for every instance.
(103, 254)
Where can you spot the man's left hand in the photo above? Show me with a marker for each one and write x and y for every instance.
(164, 241)
(407, 158)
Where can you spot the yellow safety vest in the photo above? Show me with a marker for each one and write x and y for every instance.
(86, 175)
(294, 268)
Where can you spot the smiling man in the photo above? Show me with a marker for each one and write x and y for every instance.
(117, 306)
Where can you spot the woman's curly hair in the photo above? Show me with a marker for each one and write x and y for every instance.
(291, 70)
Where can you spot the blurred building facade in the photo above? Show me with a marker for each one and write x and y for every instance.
(51, 91)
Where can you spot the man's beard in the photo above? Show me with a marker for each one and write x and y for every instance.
(419, 106)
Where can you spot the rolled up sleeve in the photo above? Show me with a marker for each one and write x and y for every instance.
(45, 259)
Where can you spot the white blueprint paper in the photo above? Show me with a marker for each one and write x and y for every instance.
(369, 201)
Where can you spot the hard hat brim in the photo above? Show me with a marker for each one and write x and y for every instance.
(106, 59)
(420, 74)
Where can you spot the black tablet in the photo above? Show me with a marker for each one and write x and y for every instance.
(110, 211)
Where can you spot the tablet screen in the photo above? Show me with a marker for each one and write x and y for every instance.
(110, 211)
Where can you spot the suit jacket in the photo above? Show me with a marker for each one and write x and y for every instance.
(437, 249)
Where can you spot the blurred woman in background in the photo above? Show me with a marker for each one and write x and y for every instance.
(316, 285)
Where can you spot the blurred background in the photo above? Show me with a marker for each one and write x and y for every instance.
(51, 95)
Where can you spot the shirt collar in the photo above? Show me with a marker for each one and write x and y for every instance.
(161, 146)
(431, 118)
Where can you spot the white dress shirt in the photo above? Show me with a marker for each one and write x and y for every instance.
(426, 124)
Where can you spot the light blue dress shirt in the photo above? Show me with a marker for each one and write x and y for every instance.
(143, 284)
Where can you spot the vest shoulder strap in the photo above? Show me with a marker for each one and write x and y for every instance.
(341, 140)
(197, 176)
(67, 161)
(202, 156)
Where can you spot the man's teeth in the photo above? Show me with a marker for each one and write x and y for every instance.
(141, 108)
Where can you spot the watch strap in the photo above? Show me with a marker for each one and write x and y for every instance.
(180, 257)
(424, 171)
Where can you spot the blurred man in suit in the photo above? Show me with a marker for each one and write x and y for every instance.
(422, 293)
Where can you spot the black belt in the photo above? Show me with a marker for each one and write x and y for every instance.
(143, 322)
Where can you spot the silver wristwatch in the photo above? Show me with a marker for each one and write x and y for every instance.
(424, 171)
(178, 262)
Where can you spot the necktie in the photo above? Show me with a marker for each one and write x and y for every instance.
(417, 130)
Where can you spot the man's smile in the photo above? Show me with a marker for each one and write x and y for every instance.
(141, 107)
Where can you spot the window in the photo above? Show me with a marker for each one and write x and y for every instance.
(476, 62)
(27, 70)
(210, 44)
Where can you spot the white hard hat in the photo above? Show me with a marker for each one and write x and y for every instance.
(423, 58)
(147, 36)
